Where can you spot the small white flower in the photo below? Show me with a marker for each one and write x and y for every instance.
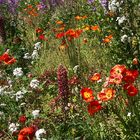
(26, 56)
(75, 68)
(35, 113)
(121, 19)
(19, 95)
(13, 127)
(37, 45)
(2, 104)
(39, 134)
(1, 113)
(35, 54)
(113, 5)
(2, 90)
(17, 72)
(129, 114)
(22, 104)
(34, 83)
(66, 108)
(124, 38)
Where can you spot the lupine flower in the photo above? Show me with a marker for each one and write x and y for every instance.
(104, 3)
(63, 84)
(62, 80)
(90, 1)
(94, 107)
(87, 94)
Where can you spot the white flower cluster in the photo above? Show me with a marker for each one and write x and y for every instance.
(20, 94)
(34, 54)
(121, 20)
(113, 5)
(18, 72)
(40, 134)
(35, 113)
(34, 83)
(124, 38)
(13, 127)
(3, 90)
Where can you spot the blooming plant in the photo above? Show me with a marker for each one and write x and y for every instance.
(69, 69)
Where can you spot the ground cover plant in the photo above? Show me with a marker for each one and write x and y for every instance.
(69, 70)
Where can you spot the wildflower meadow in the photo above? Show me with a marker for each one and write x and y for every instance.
(69, 70)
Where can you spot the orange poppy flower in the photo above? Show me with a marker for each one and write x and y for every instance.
(87, 94)
(59, 22)
(106, 94)
(83, 17)
(95, 28)
(94, 107)
(95, 77)
(86, 28)
(107, 39)
(78, 17)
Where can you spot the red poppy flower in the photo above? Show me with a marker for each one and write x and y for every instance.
(87, 94)
(131, 89)
(39, 31)
(73, 33)
(26, 133)
(22, 119)
(7, 59)
(94, 107)
(95, 77)
(106, 95)
(117, 70)
(135, 61)
(60, 35)
(41, 37)
(130, 76)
